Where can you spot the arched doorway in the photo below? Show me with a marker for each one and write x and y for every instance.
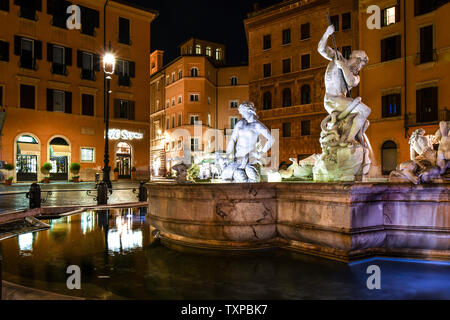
(27, 158)
(388, 157)
(123, 160)
(59, 153)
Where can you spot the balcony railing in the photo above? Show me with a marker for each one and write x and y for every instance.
(421, 119)
(297, 110)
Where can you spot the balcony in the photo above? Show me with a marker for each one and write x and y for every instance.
(425, 57)
(293, 111)
(425, 119)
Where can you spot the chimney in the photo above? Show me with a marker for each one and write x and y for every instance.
(156, 61)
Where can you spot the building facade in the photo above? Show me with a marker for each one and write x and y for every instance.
(286, 71)
(52, 87)
(190, 97)
(407, 80)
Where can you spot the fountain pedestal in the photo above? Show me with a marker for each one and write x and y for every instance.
(344, 221)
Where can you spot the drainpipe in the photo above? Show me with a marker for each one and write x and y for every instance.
(405, 70)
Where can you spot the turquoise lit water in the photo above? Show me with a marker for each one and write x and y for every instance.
(119, 259)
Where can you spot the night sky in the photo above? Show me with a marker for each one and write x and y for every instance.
(215, 20)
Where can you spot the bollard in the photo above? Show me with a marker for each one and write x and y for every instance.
(142, 192)
(35, 196)
(102, 193)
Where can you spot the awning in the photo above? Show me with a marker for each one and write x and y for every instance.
(29, 148)
(57, 149)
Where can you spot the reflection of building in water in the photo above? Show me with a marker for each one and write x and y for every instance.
(87, 221)
(123, 238)
(25, 242)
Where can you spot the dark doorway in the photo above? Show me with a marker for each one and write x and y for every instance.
(59, 148)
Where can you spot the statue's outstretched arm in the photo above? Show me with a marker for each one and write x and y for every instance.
(266, 134)
(323, 49)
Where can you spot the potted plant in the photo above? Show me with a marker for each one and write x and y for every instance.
(45, 169)
(75, 170)
(116, 173)
(8, 181)
(8, 167)
(133, 173)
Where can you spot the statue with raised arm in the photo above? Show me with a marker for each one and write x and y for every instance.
(345, 156)
(244, 146)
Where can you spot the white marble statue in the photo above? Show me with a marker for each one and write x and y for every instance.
(244, 146)
(345, 156)
(426, 164)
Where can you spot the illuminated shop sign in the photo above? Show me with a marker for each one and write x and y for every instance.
(117, 134)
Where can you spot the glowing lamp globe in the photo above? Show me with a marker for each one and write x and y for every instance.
(109, 63)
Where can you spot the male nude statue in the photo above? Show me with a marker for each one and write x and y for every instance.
(244, 146)
(336, 102)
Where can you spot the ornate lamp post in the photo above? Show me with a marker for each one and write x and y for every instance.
(109, 63)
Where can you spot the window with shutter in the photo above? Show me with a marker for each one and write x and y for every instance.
(27, 57)
(391, 48)
(87, 104)
(4, 51)
(27, 96)
(391, 105)
(4, 5)
(305, 31)
(89, 20)
(426, 44)
(346, 21)
(427, 105)
(124, 31)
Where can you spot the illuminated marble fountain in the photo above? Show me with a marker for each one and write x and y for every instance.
(334, 216)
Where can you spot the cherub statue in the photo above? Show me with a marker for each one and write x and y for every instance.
(244, 146)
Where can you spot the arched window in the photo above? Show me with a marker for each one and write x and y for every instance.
(194, 72)
(234, 81)
(267, 100)
(287, 97)
(388, 157)
(198, 49)
(306, 94)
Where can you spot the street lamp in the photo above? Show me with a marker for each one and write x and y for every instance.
(109, 63)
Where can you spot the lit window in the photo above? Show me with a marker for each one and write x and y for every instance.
(198, 49)
(208, 51)
(219, 54)
(390, 16)
(87, 154)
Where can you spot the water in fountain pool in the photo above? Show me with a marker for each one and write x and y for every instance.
(119, 258)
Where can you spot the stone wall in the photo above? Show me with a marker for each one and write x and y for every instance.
(337, 221)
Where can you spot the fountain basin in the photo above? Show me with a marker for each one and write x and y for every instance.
(341, 221)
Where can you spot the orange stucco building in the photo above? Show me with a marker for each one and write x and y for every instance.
(407, 80)
(287, 72)
(52, 87)
(190, 96)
